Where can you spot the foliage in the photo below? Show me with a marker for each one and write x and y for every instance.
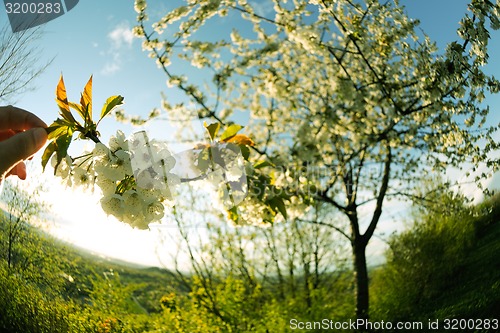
(61, 131)
(439, 267)
(381, 87)
(94, 298)
(22, 209)
(443, 258)
(25, 308)
(253, 278)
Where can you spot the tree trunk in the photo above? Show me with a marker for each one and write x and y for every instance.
(361, 276)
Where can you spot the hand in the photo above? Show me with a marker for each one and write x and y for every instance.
(22, 134)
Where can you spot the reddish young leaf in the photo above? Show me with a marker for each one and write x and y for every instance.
(62, 101)
(86, 102)
(242, 140)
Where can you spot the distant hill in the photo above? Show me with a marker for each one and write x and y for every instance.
(79, 266)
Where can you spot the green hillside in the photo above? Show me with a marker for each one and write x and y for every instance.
(47, 282)
(446, 266)
(474, 289)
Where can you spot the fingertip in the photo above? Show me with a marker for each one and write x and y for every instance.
(40, 135)
(21, 146)
(21, 171)
(18, 170)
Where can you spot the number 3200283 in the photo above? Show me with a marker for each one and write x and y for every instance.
(471, 324)
(33, 8)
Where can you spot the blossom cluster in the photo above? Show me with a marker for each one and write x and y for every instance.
(227, 176)
(136, 177)
(132, 175)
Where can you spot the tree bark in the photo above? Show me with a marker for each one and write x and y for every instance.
(360, 241)
(358, 245)
(361, 277)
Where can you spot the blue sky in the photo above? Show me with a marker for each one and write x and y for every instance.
(95, 39)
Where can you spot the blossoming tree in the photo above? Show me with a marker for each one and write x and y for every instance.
(348, 104)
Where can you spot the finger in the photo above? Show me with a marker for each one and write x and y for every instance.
(19, 170)
(4, 135)
(20, 147)
(18, 119)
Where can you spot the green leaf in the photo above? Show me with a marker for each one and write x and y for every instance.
(233, 214)
(284, 195)
(67, 115)
(58, 128)
(51, 129)
(231, 131)
(110, 104)
(47, 154)
(259, 185)
(62, 144)
(245, 151)
(212, 129)
(279, 204)
(262, 164)
(282, 208)
(61, 134)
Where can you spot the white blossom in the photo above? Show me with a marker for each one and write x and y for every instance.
(140, 6)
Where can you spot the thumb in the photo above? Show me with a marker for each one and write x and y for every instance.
(20, 147)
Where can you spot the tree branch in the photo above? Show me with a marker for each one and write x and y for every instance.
(380, 198)
(326, 225)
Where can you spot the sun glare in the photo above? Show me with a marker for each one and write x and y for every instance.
(76, 217)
